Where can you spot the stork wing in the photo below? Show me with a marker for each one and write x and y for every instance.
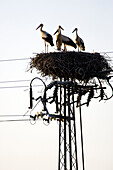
(44, 34)
(66, 40)
(47, 37)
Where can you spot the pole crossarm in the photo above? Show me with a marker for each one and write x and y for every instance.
(51, 117)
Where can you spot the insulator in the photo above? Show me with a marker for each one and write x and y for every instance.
(51, 118)
(38, 114)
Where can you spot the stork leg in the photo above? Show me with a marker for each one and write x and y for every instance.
(78, 48)
(45, 47)
(65, 49)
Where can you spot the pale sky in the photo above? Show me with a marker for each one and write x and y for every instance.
(25, 146)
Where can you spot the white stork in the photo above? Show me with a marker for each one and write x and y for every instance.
(59, 38)
(46, 37)
(79, 41)
(63, 39)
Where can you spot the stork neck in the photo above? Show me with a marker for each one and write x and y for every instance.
(59, 31)
(41, 29)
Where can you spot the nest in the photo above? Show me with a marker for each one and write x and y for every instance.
(74, 65)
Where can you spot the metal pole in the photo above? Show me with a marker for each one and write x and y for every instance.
(76, 152)
(60, 128)
(70, 147)
(65, 139)
(81, 135)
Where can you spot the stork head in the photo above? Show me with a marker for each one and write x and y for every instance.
(76, 29)
(41, 25)
(59, 27)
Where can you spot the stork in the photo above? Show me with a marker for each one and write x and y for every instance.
(63, 39)
(79, 41)
(46, 37)
(59, 38)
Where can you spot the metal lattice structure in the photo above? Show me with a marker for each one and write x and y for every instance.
(67, 131)
(80, 75)
(65, 95)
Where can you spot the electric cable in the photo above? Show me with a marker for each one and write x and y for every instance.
(14, 115)
(15, 59)
(13, 87)
(14, 81)
(19, 59)
(15, 120)
(107, 52)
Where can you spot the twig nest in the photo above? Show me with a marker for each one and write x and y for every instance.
(74, 65)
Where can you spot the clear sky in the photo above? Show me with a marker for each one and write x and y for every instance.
(26, 147)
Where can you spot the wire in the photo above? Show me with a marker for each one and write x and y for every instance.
(18, 59)
(18, 120)
(14, 87)
(9, 87)
(13, 115)
(14, 120)
(107, 52)
(14, 81)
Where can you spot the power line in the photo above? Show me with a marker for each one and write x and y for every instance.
(17, 86)
(14, 115)
(16, 120)
(13, 120)
(14, 81)
(107, 52)
(14, 87)
(19, 59)
(15, 59)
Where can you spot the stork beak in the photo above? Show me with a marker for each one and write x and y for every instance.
(61, 28)
(73, 31)
(38, 27)
(55, 32)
